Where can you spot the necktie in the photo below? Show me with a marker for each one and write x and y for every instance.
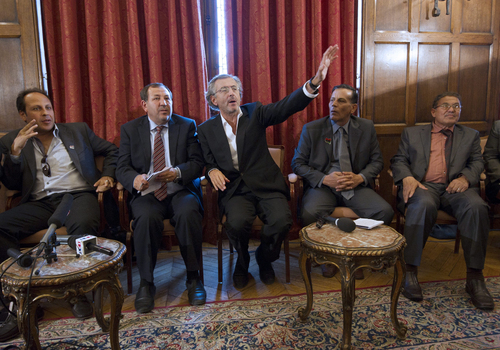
(159, 161)
(447, 145)
(345, 161)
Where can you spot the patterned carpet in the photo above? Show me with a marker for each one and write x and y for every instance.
(446, 319)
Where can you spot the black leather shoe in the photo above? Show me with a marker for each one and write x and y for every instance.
(479, 294)
(196, 292)
(9, 329)
(329, 270)
(411, 288)
(82, 309)
(266, 273)
(145, 299)
(240, 279)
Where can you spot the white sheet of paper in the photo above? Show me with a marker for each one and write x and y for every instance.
(153, 183)
(367, 223)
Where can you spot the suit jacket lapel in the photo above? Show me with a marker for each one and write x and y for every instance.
(173, 135)
(426, 142)
(29, 156)
(457, 143)
(145, 142)
(354, 137)
(327, 139)
(240, 137)
(219, 136)
(68, 139)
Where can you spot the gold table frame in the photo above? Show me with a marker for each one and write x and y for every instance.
(67, 278)
(350, 253)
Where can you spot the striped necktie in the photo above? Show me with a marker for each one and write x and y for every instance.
(159, 161)
(345, 161)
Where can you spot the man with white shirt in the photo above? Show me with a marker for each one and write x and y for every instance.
(44, 161)
(167, 143)
(240, 168)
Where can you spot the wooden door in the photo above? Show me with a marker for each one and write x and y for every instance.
(409, 57)
(19, 57)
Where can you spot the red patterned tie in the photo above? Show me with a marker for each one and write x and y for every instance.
(159, 162)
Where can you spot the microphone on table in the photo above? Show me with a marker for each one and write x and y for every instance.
(56, 220)
(86, 244)
(23, 260)
(345, 224)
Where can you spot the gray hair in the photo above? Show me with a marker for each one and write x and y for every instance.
(211, 88)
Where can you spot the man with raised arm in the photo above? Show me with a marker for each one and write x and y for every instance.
(241, 169)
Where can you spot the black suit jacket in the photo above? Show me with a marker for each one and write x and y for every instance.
(184, 148)
(314, 153)
(256, 166)
(80, 142)
(491, 154)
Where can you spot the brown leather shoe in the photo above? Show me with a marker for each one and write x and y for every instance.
(329, 270)
(479, 294)
(411, 288)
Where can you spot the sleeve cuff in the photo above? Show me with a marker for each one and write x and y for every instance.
(307, 93)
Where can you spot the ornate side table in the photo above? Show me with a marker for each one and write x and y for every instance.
(378, 248)
(67, 278)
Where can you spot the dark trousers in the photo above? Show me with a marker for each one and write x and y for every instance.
(30, 217)
(366, 203)
(241, 211)
(467, 207)
(492, 190)
(184, 212)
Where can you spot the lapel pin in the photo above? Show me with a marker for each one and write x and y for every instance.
(71, 146)
(328, 140)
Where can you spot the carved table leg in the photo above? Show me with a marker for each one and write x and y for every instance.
(305, 269)
(112, 323)
(28, 324)
(397, 284)
(348, 290)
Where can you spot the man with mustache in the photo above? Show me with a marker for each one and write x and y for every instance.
(438, 166)
(240, 168)
(45, 160)
(328, 181)
(164, 143)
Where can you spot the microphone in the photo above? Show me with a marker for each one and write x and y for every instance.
(345, 224)
(86, 244)
(56, 220)
(23, 260)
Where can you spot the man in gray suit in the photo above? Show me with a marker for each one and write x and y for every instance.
(438, 166)
(329, 183)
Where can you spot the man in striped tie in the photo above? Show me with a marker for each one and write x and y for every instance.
(160, 163)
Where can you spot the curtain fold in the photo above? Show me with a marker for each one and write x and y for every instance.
(275, 46)
(101, 53)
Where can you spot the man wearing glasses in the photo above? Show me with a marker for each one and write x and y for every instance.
(44, 161)
(438, 166)
(239, 166)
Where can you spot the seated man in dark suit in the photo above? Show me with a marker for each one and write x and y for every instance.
(438, 166)
(331, 180)
(491, 157)
(44, 161)
(239, 166)
(163, 142)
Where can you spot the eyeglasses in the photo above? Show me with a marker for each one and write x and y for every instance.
(45, 166)
(446, 106)
(225, 89)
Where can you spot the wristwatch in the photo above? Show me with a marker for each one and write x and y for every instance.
(314, 87)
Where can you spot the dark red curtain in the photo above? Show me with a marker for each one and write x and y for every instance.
(275, 46)
(101, 53)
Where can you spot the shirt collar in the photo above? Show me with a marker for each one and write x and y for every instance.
(436, 128)
(335, 126)
(224, 121)
(153, 125)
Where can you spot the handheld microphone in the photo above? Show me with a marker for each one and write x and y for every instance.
(87, 244)
(56, 220)
(345, 224)
(23, 260)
